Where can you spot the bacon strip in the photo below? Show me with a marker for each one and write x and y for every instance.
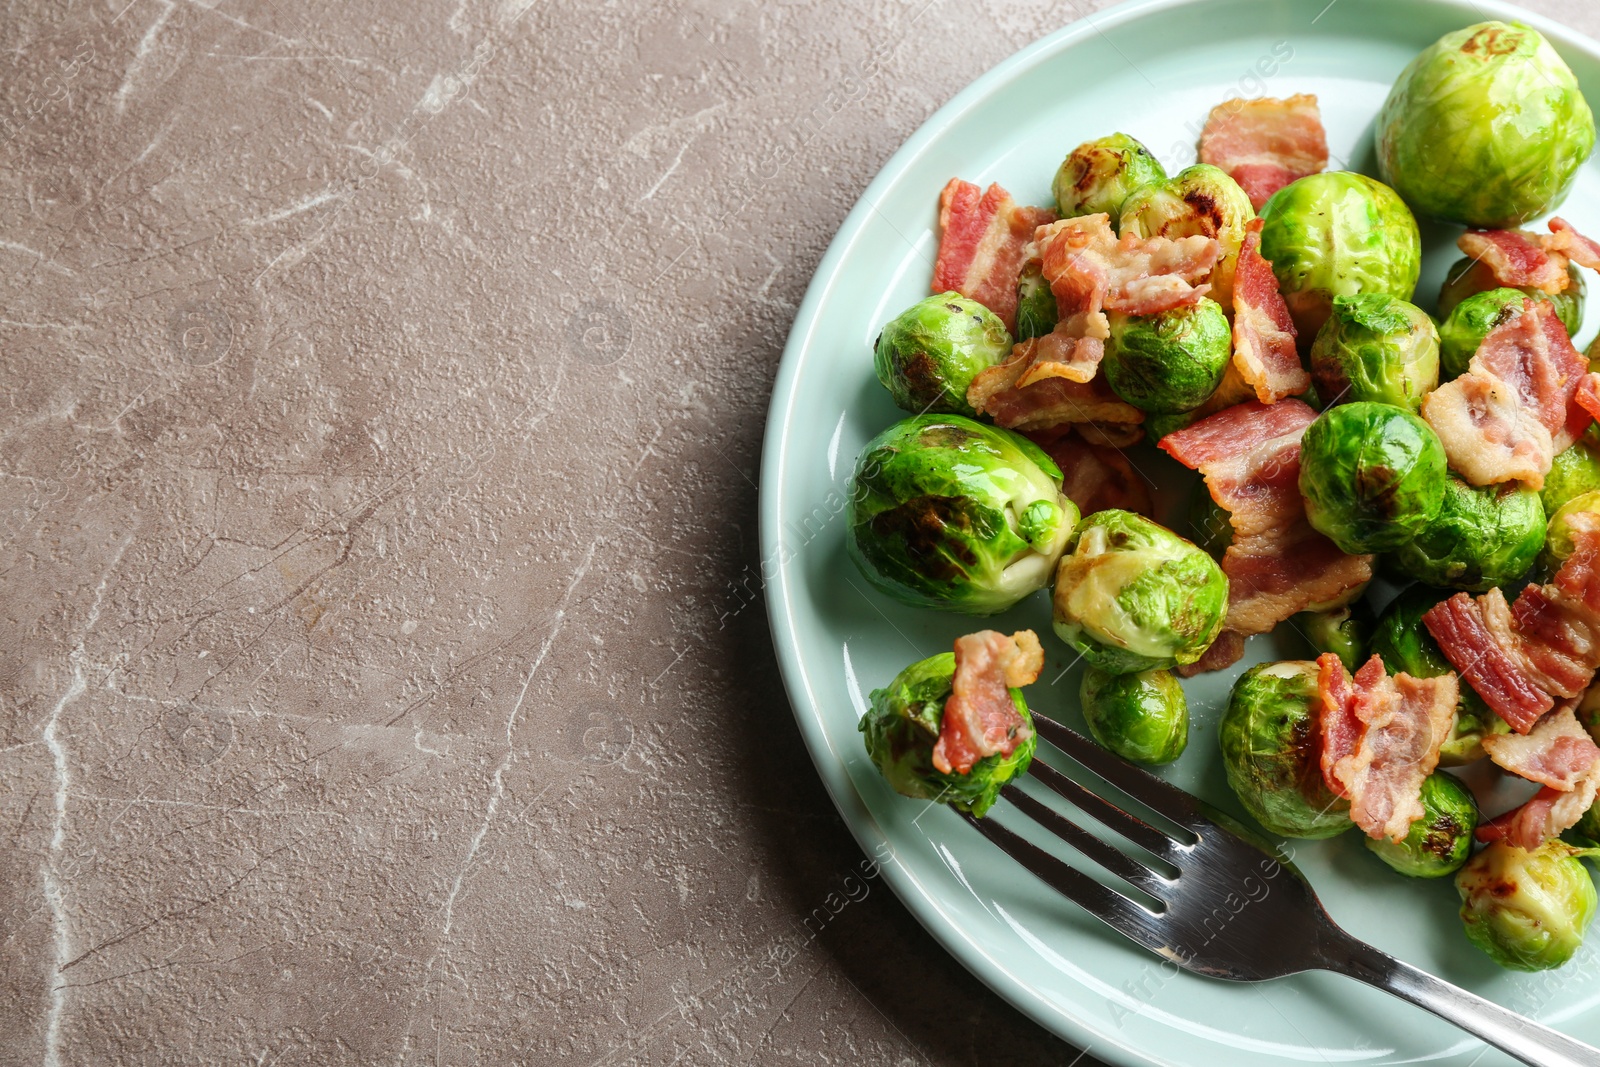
(983, 241)
(1558, 752)
(1053, 401)
(1547, 815)
(980, 718)
(1566, 240)
(1265, 144)
(1381, 739)
(1522, 260)
(1095, 476)
(1277, 564)
(1263, 333)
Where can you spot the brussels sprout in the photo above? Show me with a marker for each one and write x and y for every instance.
(1098, 175)
(1198, 201)
(950, 513)
(1158, 426)
(1142, 717)
(1470, 322)
(1558, 535)
(1373, 476)
(1481, 537)
(1208, 521)
(1405, 644)
(1487, 127)
(1036, 304)
(1170, 362)
(1272, 751)
(1576, 470)
(1469, 277)
(1527, 910)
(1134, 596)
(1439, 842)
(1345, 631)
(901, 728)
(1338, 234)
(1376, 347)
(929, 353)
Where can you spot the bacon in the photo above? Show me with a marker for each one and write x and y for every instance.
(1091, 271)
(1381, 739)
(1587, 396)
(980, 718)
(1224, 652)
(983, 241)
(1265, 144)
(1547, 815)
(1263, 333)
(1558, 752)
(1567, 241)
(1095, 476)
(1517, 259)
(1054, 401)
(1062, 354)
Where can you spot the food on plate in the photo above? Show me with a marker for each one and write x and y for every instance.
(1372, 475)
(1142, 716)
(1095, 475)
(1036, 304)
(1345, 631)
(1132, 595)
(1574, 520)
(1264, 144)
(1199, 201)
(1574, 471)
(1470, 277)
(1266, 359)
(955, 727)
(1338, 234)
(1440, 842)
(1376, 348)
(1529, 910)
(1171, 361)
(1473, 319)
(949, 513)
(1097, 176)
(1482, 536)
(1272, 751)
(1487, 127)
(984, 240)
(927, 355)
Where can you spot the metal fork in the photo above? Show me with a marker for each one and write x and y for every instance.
(1222, 874)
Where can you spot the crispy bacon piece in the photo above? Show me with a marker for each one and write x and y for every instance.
(1566, 240)
(1095, 476)
(1558, 752)
(1277, 564)
(1225, 651)
(1547, 815)
(983, 241)
(1263, 333)
(1060, 354)
(979, 717)
(1265, 144)
(1054, 401)
(1523, 260)
(1381, 738)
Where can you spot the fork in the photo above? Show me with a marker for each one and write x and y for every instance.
(1222, 873)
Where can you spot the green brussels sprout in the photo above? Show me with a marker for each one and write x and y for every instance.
(1036, 304)
(1439, 842)
(903, 724)
(1097, 176)
(1376, 347)
(1198, 201)
(1481, 537)
(953, 514)
(1470, 322)
(1345, 631)
(1272, 751)
(1406, 646)
(1558, 535)
(1134, 596)
(1170, 362)
(1142, 717)
(1527, 910)
(1338, 234)
(1469, 277)
(1373, 476)
(1208, 522)
(928, 355)
(1576, 471)
(1487, 127)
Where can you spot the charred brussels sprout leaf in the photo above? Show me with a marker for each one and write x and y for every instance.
(1469, 277)
(1036, 305)
(903, 725)
(1345, 631)
(1378, 348)
(1098, 175)
(1439, 842)
(928, 355)
(1272, 751)
(1470, 322)
(1171, 362)
(1527, 910)
(1373, 476)
(1142, 717)
(1481, 537)
(1487, 127)
(1199, 201)
(949, 513)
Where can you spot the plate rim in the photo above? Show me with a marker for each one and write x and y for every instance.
(921, 901)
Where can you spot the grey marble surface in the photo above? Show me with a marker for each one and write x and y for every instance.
(382, 676)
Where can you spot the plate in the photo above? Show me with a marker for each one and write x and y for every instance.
(1152, 68)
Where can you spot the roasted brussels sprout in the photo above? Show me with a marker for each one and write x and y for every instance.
(1527, 910)
(1576, 470)
(1558, 535)
(1170, 362)
(1345, 631)
(1373, 476)
(1036, 305)
(1376, 347)
(1470, 322)
(1487, 127)
(1142, 717)
(1481, 537)
(903, 725)
(1134, 596)
(1098, 175)
(949, 513)
(1272, 751)
(1469, 277)
(1439, 842)
(1198, 201)
(1338, 234)
(1406, 646)
(929, 353)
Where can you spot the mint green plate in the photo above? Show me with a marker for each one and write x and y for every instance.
(1152, 68)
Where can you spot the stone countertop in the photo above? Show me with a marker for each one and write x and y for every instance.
(385, 676)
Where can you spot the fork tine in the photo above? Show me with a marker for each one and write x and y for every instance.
(1106, 813)
(1159, 795)
(1118, 863)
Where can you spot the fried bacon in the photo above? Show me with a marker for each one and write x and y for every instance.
(1557, 752)
(1518, 259)
(1263, 333)
(1095, 476)
(980, 718)
(1265, 144)
(983, 243)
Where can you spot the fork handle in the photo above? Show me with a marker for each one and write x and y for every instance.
(1517, 1035)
